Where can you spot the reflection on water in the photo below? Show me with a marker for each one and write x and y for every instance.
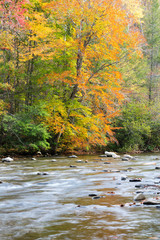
(57, 205)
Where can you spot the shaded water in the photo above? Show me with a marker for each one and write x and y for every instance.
(58, 205)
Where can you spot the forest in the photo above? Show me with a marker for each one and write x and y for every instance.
(79, 76)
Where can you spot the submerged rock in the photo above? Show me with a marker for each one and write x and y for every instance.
(139, 197)
(72, 166)
(42, 173)
(124, 159)
(96, 197)
(128, 156)
(7, 159)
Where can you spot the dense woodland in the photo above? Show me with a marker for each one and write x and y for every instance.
(79, 75)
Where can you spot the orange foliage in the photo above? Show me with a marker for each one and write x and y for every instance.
(95, 36)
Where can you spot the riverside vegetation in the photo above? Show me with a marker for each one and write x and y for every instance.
(79, 76)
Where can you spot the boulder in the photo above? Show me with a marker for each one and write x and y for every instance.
(72, 156)
(7, 159)
(139, 197)
(111, 154)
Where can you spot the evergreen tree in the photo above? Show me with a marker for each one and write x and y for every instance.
(152, 48)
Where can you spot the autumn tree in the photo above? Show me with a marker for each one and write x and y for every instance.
(88, 42)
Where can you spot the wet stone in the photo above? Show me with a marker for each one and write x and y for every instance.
(96, 197)
(151, 203)
(42, 173)
(139, 197)
(72, 166)
(123, 178)
(92, 195)
(124, 159)
(141, 186)
(107, 163)
(135, 180)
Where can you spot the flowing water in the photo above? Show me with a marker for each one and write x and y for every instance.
(58, 206)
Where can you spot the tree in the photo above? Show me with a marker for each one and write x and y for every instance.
(88, 42)
(151, 51)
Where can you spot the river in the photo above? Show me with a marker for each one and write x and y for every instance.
(58, 205)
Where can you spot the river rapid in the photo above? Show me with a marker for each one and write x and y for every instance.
(69, 199)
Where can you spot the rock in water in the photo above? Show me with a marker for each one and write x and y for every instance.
(7, 159)
(139, 197)
(72, 156)
(123, 177)
(129, 157)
